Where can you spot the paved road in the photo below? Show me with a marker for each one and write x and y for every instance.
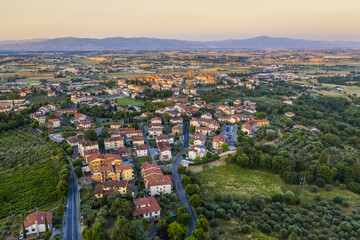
(72, 227)
(151, 151)
(177, 180)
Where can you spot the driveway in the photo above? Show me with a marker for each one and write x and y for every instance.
(177, 180)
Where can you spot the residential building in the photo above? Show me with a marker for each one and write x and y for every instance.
(113, 143)
(218, 141)
(156, 183)
(164, 150)
(35, 223)
(141, 150)
(165, 138)
(146, 208)
(84, 145)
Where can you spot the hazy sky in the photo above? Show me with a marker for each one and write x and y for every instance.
(182, 19)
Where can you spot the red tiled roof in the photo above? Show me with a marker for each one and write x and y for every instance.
(141, 147)
(153, 206)
(38, 217)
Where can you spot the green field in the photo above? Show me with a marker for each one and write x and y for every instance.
(29, 175)
(348, 89)
(139, 161)
(126, 101)
(240, 182)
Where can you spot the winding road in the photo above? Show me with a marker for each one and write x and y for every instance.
(177, 180)
(71, 229)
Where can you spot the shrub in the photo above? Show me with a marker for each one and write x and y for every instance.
(314, 189)
(215, 222)
(246, 228)
(317, 198)
(345, 203)
(328, 187)
(320, 182)
(342, 186)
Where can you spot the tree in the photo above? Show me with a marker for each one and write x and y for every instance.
(124, 230)
(177, 231)
(326, 173)
(191, 189)
(140, 231)
(70, 151)
(46, 224)
(90, 134)
(121, 207)
(323, 157)
(186, 180)
(62, 187)
(195, 200)
(183, 216)
(181, 170)
(95, 233)
(192, 129)
(203, 224)
(23, 230)
(332, 139)
(198, 234)
(78, 171)
(47, 235)
(224, 147)
(261, 115)
(61, 208)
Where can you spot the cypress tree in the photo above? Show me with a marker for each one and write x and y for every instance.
(323, 157)
(46, 224)
(24, 229)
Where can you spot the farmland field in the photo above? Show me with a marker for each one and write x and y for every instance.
(29, 175)
(126, 101)
(246, 183)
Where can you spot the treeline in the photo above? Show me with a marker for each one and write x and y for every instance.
(11, 120)
(283, 215)
(340, 80)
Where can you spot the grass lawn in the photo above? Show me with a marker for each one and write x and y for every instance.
(239, 182)
(126, 101)
(231, 179)
(140, 160)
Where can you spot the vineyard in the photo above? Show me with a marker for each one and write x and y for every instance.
(28, 172)
(22, 147)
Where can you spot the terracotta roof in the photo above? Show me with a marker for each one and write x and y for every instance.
(123, 167)
(219, 139)
(136, 139)
(153, 206)
(140, 147)
(38, 217)
(158, 180)
(163, 137)
(113, 139)
(164, 146)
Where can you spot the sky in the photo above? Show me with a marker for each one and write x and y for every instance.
(182, 19)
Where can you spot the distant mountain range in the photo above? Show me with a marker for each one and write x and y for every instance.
(120, 43)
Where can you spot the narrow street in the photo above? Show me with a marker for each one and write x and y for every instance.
(151, 151)
(71, 229)
(177, 180)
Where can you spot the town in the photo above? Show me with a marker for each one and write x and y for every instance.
(169, 145)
